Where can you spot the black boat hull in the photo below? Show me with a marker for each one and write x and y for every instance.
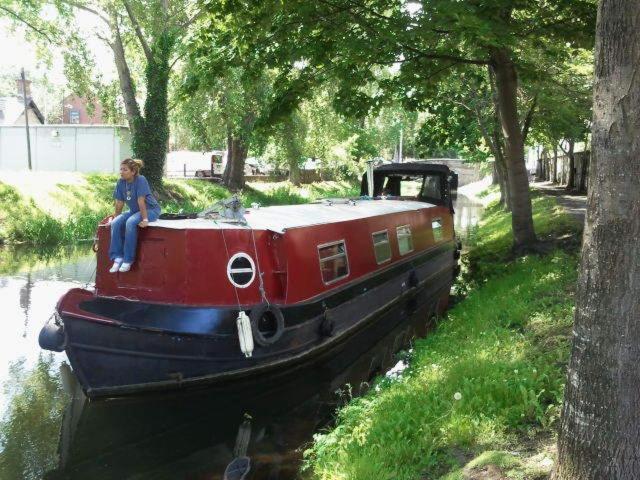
(112, 359)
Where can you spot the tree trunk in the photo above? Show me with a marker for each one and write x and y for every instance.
(504, 184)
(520, 201)
(555, 164)
(571, 180)
(495, 176)
(124, 76)
(584, 172)
(600, 426)
(233, 177)
(150, 134)
(539, 167)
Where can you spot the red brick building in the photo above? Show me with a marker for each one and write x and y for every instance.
(75, 111)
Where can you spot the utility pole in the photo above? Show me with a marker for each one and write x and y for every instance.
(26, 115)
(400, 151)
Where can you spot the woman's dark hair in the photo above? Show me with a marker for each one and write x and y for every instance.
(134, 164)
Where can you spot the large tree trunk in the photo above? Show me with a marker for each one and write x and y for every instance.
(600, 426)
(520, 201)
(149, 134)
(237, 149)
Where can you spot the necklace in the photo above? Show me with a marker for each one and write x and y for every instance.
(128, 187)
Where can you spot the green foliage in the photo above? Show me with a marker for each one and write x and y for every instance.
(490, 374)
(30, 429)
(151, 131)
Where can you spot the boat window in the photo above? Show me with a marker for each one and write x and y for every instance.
(411, 186)
(405, 241)
(432, 187)
(334, 264)
(436, 228)
(381, 246)
(421, 187)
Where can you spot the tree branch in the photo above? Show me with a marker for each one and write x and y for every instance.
(138, 30)
(80, 6)
(27, 23)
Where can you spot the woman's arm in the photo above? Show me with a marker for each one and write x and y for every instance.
(119, 206)
(142, 204)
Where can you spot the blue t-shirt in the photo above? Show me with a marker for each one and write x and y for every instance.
(129, 193)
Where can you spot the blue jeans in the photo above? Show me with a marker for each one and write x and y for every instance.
(124, 234)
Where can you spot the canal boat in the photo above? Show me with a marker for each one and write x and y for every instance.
(234, 294)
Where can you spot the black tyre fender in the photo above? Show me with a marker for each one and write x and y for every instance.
(255, 316)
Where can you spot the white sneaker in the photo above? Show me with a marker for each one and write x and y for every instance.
(116, 265)
(125, 267)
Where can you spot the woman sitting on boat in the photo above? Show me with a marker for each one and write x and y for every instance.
(133, 189)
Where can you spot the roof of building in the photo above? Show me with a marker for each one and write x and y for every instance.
(11, 108)
(281, 218)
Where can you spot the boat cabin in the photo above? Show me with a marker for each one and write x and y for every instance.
(287, 254)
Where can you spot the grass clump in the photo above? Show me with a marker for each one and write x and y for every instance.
(489, 378)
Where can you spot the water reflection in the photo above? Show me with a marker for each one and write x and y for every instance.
(30, 428)
(30, 285)
(467, 215)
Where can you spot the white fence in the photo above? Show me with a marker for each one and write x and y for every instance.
(71, 148)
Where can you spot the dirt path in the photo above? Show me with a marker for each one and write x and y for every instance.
(575, 204)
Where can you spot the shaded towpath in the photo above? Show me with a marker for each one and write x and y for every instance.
(575, 204)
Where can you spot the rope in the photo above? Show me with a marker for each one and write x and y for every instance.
(260, 274)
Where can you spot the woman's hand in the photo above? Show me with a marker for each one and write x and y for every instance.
(144, 223)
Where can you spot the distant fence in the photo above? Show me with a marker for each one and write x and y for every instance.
(68, 148)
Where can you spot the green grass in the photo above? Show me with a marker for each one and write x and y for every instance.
(490, 377)
(82, 206)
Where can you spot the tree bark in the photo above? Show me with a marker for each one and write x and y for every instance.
(555, 164)
(520, 201)
(124, 76)
(584, 172)
(539, 167)
(571, 179)
(233, 177)
(600, 426)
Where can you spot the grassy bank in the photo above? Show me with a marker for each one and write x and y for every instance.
(68, 212)
(482, 394)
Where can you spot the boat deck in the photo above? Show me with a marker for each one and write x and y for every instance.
(281, 218)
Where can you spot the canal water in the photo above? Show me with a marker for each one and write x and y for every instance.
(49, 430)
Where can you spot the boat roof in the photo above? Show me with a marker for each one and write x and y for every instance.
(281, 218)
(412, 168)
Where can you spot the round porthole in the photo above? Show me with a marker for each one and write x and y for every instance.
(241, 270)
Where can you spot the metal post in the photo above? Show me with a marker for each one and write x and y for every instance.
(26, 116)
(400, 151)
(184, 170)
(370, 178)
